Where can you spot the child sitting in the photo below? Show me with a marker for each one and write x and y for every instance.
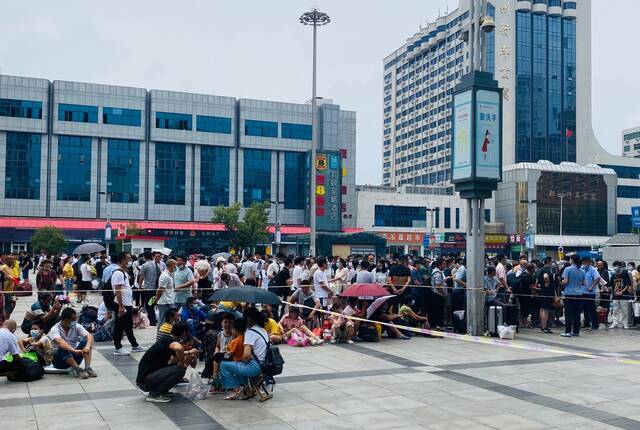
(233, 351)
(171, 317)
(292, 323)
(140, 319)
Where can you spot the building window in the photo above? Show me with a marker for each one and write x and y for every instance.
(523, 86)
(214, 176)
(437, 218)
(22, 169)
(487, 215)
(447, 217)
(119, 116)
(490, 44)
(294, 179)
(569, 91)
(173, 121)
(260, 128)
(170, 173)
(77, 113)
(296, 131)
(74, 168)
(624, 224)
(20, 108)
(457, 218)
(213, 124)
(123, 170)
(400, 216)
(628, 192)
(257, 176)
(624, 172)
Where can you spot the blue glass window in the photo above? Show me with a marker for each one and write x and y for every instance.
(214, 176)
(294, 180)
(556, 149)
(213, 124)
(20, 108)
(77, 113)
(447, 217)
(487, 215)
(628, 192)
(260, 128)
(570, 5)
(555, 3)
(173, 121)
(523, 86)
(624, 224)
(539, 89)
(119, 116)
(74, 168)
(457, 217)
(624, 172)
(22, 168)
(569, 108)
(123, 170)
(170, 173)
(490, 43)
(400, 216)
(257, 176)
(297, 131)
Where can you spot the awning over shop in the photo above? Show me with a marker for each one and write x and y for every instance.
(570, 241)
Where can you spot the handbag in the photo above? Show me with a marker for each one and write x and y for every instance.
(557, 303)
(24, 289)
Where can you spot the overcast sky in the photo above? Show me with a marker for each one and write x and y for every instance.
(257, 49)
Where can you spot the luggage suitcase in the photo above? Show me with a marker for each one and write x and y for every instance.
(495, 319)
(459, 322)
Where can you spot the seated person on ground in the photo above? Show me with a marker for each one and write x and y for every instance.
(408, 316)
(292, 323)
(171, 318)
(306, 297)
(37, 342)
(224, 337)
(352, 310)
(165, 363)
(381, 315)
(342, 329)
(272, 327)
(45, 310)
(140, 319)
(9, 345)
(195, 317)
(71, 345)
(232, 352)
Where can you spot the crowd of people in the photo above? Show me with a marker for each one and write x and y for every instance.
(172, 294)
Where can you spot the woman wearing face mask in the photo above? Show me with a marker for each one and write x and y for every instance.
(37, 342)
(341, 277)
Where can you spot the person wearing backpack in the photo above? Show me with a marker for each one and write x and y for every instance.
(234, 374)
(123, 301)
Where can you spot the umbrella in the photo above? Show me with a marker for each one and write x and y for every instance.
(88, 248)
(224, 255)
(246, 294)
(365, 290)
(376, 304)
(164, 250)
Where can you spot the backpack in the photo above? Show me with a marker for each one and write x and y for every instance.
(273, 361)
(26, 370)
(108, 295)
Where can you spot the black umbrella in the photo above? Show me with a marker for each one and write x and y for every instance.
(245, 294)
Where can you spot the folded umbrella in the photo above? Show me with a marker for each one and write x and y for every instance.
(365, 290)
(247, 294)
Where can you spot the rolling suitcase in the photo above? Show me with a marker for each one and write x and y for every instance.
(459, 322)
(495, 318)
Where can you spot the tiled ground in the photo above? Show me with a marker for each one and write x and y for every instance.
(421, 383)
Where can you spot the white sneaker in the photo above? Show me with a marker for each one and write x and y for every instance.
(350, 342)
(626, 327)
(138, 349)
(121, 352)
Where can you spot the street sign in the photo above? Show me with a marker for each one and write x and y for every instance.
(529, 241)
(426, 241)
(635, 217)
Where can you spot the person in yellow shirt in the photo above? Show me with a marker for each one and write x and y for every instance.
(67, 273)
(272, 327)
(10, 276)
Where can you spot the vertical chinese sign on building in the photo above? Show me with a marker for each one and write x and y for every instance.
(328, 193)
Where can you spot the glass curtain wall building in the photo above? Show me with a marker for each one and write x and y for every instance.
(532, 54)
(78, 150)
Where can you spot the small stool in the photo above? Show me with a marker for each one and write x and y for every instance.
(259, 384)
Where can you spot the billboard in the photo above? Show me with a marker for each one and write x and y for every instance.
(328, 194)
(462, 155)
(487, 143)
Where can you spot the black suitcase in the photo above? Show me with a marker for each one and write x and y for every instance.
(459, 322)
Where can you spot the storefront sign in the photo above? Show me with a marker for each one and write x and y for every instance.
(329, 191)
(498, 239)
(394, 238)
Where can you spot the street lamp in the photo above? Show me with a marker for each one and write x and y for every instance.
(314, 18)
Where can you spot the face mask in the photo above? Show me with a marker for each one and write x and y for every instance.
(34, 333)
(72, 324)
(338, 264)
(129, 264)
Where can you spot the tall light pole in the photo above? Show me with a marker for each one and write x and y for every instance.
(314, 18)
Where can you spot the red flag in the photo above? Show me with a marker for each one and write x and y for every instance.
(568, 133)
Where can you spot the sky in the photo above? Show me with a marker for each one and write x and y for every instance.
(257, 49)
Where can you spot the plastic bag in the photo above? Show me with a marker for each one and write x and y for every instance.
(94, 284)
(506, 332)
(298, 339)
(197, 388)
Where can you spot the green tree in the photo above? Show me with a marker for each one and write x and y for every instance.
(50, 239)
(248, 231)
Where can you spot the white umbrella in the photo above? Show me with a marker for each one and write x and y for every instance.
(163, 251)
(88, 248)
(376, 304)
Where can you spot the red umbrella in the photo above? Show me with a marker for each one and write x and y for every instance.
(365, 290)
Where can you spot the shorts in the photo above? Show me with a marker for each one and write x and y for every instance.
(84, 286)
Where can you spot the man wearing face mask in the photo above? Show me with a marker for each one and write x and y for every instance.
(37, 342)
(72, 345)
(184, 281)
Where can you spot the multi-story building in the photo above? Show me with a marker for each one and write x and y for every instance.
(540, 53)
(631, 142)
(85, 151)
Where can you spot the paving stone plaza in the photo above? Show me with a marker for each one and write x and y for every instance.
(422, 383)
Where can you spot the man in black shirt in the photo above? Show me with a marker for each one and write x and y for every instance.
(283, 282)
(165, 362)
